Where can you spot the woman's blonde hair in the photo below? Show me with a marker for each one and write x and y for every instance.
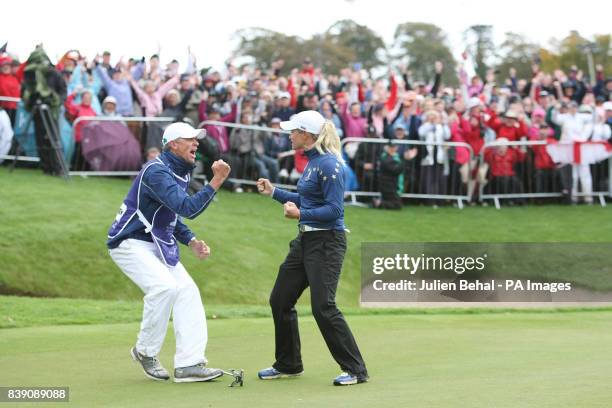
(328, 141)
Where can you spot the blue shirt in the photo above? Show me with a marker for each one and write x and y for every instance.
(120, 90)
(320, 195)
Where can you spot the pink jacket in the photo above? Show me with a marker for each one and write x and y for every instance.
(353, 127)
(152, 104)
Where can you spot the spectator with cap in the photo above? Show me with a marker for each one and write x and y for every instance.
(508, 127)
(106, 58)
(284, 110)
(538, 118)
(109, 107)
(502, 160)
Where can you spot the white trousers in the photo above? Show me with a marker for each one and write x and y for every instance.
(167, 290)
(582, 172)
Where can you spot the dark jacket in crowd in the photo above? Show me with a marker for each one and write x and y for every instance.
(391, 173)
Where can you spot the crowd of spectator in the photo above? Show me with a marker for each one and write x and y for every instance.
(551, 107)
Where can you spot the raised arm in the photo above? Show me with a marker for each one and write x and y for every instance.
(142, 95)
(167, 86)
(161, 185)
(106, 80)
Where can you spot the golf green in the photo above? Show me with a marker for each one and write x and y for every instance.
(485, 360)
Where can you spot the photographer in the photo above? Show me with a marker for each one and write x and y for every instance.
(43, 84)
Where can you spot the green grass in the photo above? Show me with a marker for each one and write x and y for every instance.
(20, 311)
(52, 238)
(52, 243)
(493, 360)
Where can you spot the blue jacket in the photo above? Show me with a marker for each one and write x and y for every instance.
(320, 195)
(157, 185)
(120, 90)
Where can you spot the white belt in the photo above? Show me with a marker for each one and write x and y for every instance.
(308, 228)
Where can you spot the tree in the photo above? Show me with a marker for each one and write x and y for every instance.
(267, 46)
(480, 46)
(517, 52)
(421, 45)
(572, 51)
(603, 53)
(366, 45)
(327, 53)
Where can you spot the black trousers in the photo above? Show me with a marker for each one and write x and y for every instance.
(314, 260)
(391, 201)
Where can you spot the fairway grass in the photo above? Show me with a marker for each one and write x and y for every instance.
(488, 360)
(52, 238)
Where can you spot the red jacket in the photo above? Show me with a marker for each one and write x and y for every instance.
(301, 160)
(462, 154)
(503, 165)
(9, 86)
(542, 159)
(509, 132)
(472, 135)
(77, 111)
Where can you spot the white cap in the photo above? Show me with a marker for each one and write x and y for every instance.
(110, 99)
(473, 102)
(181, 130)
(607, 105)
(309, 121)
(284, 94)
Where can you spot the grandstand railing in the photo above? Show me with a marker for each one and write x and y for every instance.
(414, 186)
(529, 185)
(252, 180)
